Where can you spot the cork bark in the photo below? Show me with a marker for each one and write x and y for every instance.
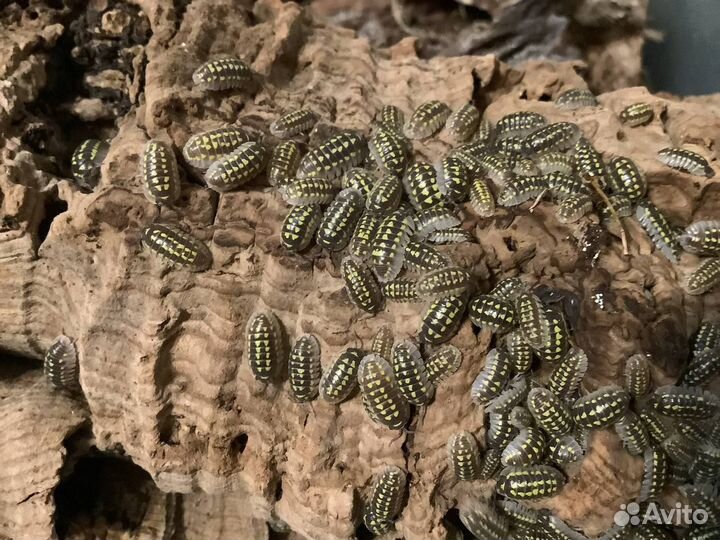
(166, 388)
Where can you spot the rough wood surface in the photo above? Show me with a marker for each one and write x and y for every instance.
(161, 351)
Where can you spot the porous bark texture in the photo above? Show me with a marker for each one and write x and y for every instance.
(169, 402)
(605, 37)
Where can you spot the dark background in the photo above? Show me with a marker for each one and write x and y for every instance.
(687, 61)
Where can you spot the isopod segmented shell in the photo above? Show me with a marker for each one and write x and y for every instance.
(509, 289)
(576, 98)
(555, 162)
(299, 226)
(500, 431)
(61, 365)
(464, 456)
(360, 179)
(431, 220)
(311, 190)
(702, 237)
(637, 114)
(601, 408)
(519, 123)
(339, 220)
(655, 474)
(381, 396)
(382, 343)
(533, 482)
(390, 150)
(549, 412)
(332, 158)
(204, 149)
(637, 375)
(481, 198)
(421, 257)
(490, 462)
(453, 235)
(449, 281)
(532, 319)
(443, 363)
(177, 246)
(625, 177)
(521, 189)
(391, 118)
(484, 522)
(361, 240)
(86, 161)
(401, 290)
(658, 228)
(497, 166)
(655, 425)
(574, 208)
(633, 434)
(588, 160)
(685, 402)
(283, 163)
(159, 173)
(361, 285)
(522, 517)
(565, 378)
(493, 377)
(237, 168)
(385, 196)
(293, 123)
(707, 337)
(490, 312)
(559, 136)
(222, 74)
(463, 122)
(340, 379)
(484, 134)
(702, 368)
(564, 450)
(559, 342)
(442, 319)
(563, 185)
(410, 373)
(526, 167)
(519, 352)
(704, 278)
(421, 185)
(385, 500)
(453, 179)
(388, 245)
(515, 394)
(686, 161)
(528, 447)
(264, 345)
(427, 120)
(304, 368)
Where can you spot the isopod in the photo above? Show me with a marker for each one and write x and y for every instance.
(177, 247)
(222, 74)
(264, 345)
(381, 396)
(304, 368)
(293, 123)
(61, 365)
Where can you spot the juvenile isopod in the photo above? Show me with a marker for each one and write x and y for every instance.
(339, 220)
(637, 114)
(410, 373)
(463, 122)
(442, 319)
(264, 345)
(61, 365)
(533, 482)
(204, 149)
(177, 247)
(492, 379)
(464, 456)
(385, 500)
(304, 368)
(332, 158)
(427, 120)
(293, 123)
(340, 379)
(222, 74)
(159, 173)
(449, 281)
(576, 98)
(443, 363)
(299, 226)
(361, 285)
(686, 161)
(86, 161)
(283, 163)
(381, 396)
(237, 168)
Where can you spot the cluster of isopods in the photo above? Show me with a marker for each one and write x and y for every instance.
(367, 199)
